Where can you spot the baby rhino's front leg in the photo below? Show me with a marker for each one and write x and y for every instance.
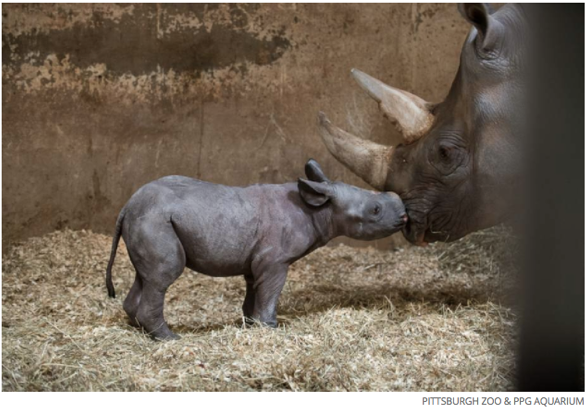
(268, 281)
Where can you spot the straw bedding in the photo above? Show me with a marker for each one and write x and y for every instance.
(350, 320)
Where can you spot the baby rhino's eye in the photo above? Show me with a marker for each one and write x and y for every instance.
(376, 210)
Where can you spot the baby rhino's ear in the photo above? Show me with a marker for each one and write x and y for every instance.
(314, 193)
(313, 171)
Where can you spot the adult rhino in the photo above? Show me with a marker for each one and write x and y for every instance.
(458, 158)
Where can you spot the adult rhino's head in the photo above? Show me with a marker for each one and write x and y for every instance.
(458, 156)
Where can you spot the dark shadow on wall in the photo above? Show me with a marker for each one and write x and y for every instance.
(136, 43)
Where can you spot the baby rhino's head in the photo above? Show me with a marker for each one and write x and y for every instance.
(356, 213)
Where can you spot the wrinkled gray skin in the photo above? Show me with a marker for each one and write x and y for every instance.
(456, 178)
(458, 167)
(257, 231)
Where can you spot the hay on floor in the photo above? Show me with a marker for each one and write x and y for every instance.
(350, 319)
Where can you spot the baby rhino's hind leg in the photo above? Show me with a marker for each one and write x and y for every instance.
(249, 303)
(159, 260)
(131, 303)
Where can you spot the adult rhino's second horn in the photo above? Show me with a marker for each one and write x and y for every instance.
(368, 160)
(408, 112)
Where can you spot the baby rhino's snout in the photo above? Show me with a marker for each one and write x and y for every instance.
(400, 216)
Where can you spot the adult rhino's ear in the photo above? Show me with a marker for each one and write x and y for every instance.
(490, 31)
(314, 172)
(314, 193)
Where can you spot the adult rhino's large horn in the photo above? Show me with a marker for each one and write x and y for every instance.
(368, 160)
(408, 112)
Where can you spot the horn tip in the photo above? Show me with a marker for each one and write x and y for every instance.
(322, 118)
(358, 74)
(325, 128)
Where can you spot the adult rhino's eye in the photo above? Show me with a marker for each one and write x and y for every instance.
(444, 153)
(446, 157)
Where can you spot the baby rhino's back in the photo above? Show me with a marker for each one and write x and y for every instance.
(216, 224)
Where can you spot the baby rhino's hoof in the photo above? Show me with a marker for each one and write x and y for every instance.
(250, 322)
(163, 334)
(166, 337)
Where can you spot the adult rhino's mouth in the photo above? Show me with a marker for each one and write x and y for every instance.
(415, 229)
(417, 209)
(419, 231)
(415, 233)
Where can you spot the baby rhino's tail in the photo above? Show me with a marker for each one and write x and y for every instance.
(115, 240)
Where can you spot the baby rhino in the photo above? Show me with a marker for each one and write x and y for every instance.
(257, 231)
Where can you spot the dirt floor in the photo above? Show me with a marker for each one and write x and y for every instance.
(350, 319)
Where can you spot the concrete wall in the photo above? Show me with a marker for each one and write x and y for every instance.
(100, 99)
